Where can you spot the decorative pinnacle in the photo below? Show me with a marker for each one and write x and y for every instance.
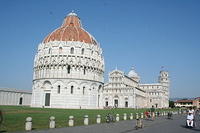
(132, 68)
(72, 13)
(116, 67)
(162, 68)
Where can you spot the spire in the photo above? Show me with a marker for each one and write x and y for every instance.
(116, 67)
(132, 68)
(162, 68)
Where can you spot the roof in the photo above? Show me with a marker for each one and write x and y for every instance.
(71, 30)
(151, 84)
(15, 90)
(184, 101)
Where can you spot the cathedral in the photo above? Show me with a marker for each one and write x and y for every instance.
(69, 73)
(126, 91)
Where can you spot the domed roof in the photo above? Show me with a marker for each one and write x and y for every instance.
(71, 30)
(132, 73)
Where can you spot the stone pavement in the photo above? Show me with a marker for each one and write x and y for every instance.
(160, 125)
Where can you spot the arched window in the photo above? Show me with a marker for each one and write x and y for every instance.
(58, 89)
(83, 90)
(68, 69)
(72, 51)
(99, 88)
(82, 51)
(72, 89)
(60, 50)
(84, 70)
(49, 52)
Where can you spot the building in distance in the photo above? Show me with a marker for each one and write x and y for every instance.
(11, 96)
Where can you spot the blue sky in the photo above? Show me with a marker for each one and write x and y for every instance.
(146, 34)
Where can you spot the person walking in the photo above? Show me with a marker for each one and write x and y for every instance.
(152, 112)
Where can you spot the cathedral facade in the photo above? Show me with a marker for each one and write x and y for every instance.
(126, 91)
(69, 71)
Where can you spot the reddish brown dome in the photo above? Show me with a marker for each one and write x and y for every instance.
(71, 30)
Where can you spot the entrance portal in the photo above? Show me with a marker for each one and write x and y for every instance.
(126, 104)
(47, 99)
(20, 101)
(116, 103)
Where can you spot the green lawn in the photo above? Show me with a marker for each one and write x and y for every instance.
(14, 116)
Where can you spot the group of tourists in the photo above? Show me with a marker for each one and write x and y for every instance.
(150, 114)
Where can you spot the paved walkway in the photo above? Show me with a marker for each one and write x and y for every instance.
(160, 125)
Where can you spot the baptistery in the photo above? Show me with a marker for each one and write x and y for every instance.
(68, 68)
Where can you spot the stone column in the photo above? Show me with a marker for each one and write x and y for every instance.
(71, 121)
(131, 116)
(86, 120)
(125, 116)
(117, 117)
(137, 116)
(28, 124)
(98, 119)
(142, 116)
(52, 123)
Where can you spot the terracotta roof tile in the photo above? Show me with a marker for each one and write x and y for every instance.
(71, 29)
(184, 101)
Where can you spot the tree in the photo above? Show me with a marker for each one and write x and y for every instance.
(171, 104)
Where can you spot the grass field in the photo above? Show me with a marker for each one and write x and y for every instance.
(14, 116)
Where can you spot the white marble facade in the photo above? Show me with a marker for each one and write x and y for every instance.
(68, 73)
(126, 91)
(122, 92)
(69, 70)
(157, 94)
(9, 96)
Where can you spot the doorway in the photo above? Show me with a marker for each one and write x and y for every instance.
(126, 104)
(20, 101)
(47, 99)
(116, 103)
(156, 105)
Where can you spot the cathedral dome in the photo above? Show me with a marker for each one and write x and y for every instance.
(132, 73)
(68, 68)
(71, 30)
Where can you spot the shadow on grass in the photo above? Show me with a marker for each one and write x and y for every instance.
(2, 131)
